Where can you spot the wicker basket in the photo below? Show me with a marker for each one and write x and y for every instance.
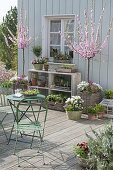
(56, 106)
(90, 99)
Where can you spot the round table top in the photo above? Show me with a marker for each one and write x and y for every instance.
(13, 97)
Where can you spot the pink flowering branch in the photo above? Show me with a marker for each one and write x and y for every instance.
(89, 44)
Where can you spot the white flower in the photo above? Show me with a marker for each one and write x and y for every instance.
(82, 85)
(68, 100)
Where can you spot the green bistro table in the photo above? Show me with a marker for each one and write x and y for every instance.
(29, 102)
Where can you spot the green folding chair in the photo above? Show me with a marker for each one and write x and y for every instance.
(4, 111)
(35, 124)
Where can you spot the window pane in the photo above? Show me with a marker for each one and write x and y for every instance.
(70, 37)
(54, 50)
(55, 26)
(68, 25)
(55, 39)
(68, 51)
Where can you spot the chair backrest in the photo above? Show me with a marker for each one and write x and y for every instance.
(3, 100)
(35, 105)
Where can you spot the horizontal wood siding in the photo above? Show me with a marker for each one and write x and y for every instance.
(101, 66)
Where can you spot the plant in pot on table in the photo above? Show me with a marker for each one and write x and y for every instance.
(74, 107)
(38, 63)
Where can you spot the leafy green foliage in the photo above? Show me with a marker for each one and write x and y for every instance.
(37, 50)
(56, 98)
(92, 110)
(81, 150)
(101, 147)
(8, 50)
(109, 94)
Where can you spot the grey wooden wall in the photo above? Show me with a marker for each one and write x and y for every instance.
(101, 68)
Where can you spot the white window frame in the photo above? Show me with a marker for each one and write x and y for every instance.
(46, 31)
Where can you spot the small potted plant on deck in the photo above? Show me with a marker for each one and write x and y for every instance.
(100, 110)
(74, 107)
(83, 157)
(92, 112)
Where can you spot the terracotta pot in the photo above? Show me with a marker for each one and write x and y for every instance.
(86, 163)
(101, 115)
(74, 115)
(46, 66)
(34, 82)
(91, 116)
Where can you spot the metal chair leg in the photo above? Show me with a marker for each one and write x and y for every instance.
(10, 134)
(41, 141)
(4, 132)
(32, 140)
(16, 141)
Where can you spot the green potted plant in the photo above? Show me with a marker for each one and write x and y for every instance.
(108, 94)
(92, 112)
(100, 110)
(74, 107)
(83, 157)
(38, 63)
(62, 58)
(56, 101)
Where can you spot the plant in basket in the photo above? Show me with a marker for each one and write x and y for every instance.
(90, 92)
(29, 93)
(89, 87)
(56, 101)
(82, 154)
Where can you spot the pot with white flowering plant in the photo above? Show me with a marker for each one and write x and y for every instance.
(90, 92)
(73, 107)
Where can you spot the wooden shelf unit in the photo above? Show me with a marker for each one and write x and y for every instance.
(75, 79)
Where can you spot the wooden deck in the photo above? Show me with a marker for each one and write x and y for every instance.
(60, 135)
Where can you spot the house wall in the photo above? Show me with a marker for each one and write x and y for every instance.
(101, 67)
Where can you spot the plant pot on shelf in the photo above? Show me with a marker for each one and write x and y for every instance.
(74, 115)
(46, 66)
(62, 61)
(34, 81)
(38, 66)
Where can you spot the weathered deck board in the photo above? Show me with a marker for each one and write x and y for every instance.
(60, 136)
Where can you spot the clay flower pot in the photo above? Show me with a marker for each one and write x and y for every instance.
(74, 115)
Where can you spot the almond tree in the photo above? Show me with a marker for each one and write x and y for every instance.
(88, 35)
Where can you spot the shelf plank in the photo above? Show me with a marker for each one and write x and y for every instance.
(38, 87)
(61, 90)
(52, 72)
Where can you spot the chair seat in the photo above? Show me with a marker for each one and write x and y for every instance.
(27, 126)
